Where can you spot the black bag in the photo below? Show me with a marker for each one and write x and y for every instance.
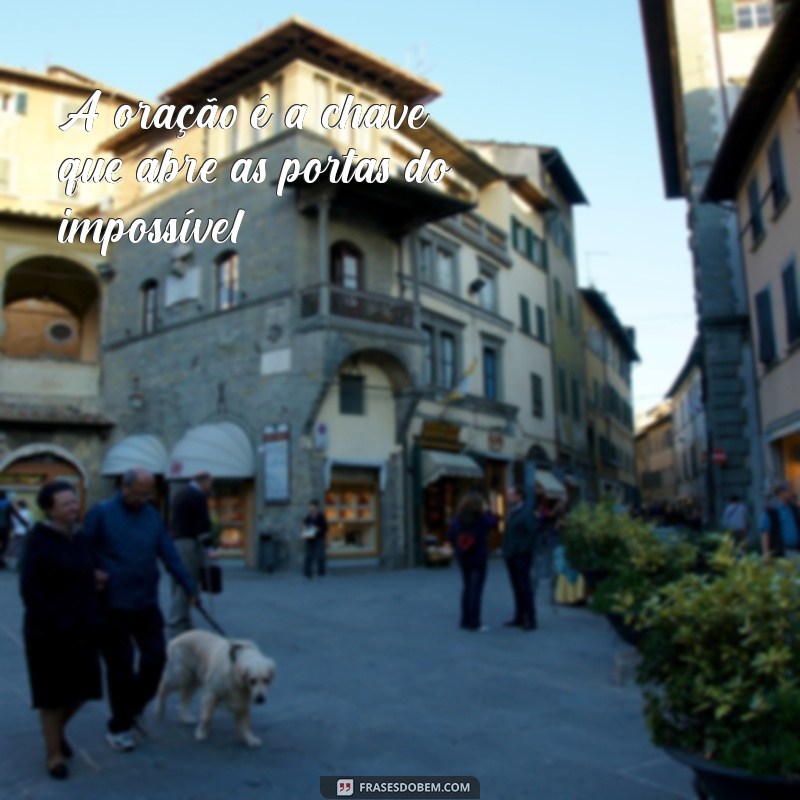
(211, 579)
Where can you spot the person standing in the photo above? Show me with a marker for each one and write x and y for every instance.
(734, 518)
(57, 584)
(190, 525)
(8, 515)
(23, 522)
(128, 538)
(314, 542)
(469, 535)
(519, 543)
(779, 525)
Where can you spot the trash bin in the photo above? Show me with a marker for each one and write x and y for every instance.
(268, 551)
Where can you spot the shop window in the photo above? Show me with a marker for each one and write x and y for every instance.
(352, 509)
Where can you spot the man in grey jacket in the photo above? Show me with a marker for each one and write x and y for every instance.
(519, 543)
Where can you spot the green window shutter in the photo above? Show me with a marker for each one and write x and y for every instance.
(544, 253)
(726, 15)
(22, 102)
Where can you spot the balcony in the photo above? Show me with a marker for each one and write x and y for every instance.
(362, 307)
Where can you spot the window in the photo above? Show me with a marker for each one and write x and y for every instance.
(426, 261)
(790, 297)
(447, 360)
(537, 395)
(541, 325)
(487, 297)
(149, 306)
(777, 175)
(351, 394)
(524, 314)
(557, 295)
(753, 15)
(440, 355)
(227, 281)
(427, 356)
(576, 400)
(756, 220)
(571, 311)
(13, 102)
(438, 264)
(491, 387)
(563, 399)
(518, 236)
(346, 266)
(534, 247)
(445, 270)
(766, 332)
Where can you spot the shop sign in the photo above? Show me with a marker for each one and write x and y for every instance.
(440, 435)
(496, 441)
(275, 450)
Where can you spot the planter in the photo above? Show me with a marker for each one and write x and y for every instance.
(714, 782)
(627, 633)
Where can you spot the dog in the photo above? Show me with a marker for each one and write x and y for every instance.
(228, 671)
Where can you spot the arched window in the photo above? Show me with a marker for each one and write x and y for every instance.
(227, 280)
(347, 266)
(149, 306)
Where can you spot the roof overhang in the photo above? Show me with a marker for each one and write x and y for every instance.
(557, 166)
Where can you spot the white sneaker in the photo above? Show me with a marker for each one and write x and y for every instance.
(122, 741)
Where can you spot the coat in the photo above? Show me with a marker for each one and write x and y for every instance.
(521, 532)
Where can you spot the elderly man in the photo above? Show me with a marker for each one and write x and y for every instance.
(128, 538)
(779, 525)
(190, 525)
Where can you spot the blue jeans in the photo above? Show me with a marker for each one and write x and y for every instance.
(474, 576)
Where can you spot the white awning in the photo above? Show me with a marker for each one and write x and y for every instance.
(144, 451)
(439, 464)
(221, 448)
(551, 485)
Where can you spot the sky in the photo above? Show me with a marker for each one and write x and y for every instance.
(569, 74)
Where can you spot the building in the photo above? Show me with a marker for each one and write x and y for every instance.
(655, 456)
(700, 56)
(554, 251)
(366, 344)
(690, 434)
(758, 167)
(52, 423)
(610, 355)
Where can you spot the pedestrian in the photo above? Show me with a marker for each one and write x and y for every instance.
(190, 526)
(57, 583)
(128, 537)
(734, 518)
(519, 544)
(779, 525)
(8, 514)
(23, 522)
(315, 534)
(469, 536)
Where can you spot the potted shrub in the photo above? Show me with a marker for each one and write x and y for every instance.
(721, 674)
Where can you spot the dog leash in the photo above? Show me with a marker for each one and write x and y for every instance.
(211, 621)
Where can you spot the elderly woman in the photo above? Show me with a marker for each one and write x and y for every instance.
(57, 583)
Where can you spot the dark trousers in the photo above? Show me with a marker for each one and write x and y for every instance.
(4, 535)
(474, 576)
(519, 573)
(131, 686)
(315, 554)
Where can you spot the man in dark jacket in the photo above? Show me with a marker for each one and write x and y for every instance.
(128, 537)
(519, 543)
(315, 533)
(190, 525)
(779, 525)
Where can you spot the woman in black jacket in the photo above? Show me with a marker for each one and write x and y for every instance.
(57, 583)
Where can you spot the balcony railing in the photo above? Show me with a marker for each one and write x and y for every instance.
(363, 306)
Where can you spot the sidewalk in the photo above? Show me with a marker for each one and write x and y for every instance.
(374, 678)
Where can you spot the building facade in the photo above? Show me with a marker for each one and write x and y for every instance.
(758, 168)
(700, 56)
(655, 456)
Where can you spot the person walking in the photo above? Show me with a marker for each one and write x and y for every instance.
(128, 538)
(469, 536)
(8, 516)
(779, 525)
(57, 584)
(190, 525)
(315, 534)
(519, 543)
(23, 522)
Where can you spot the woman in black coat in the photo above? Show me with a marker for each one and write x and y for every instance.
(58, 590)
(469, 535)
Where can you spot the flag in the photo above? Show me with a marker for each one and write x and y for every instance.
(460, 390)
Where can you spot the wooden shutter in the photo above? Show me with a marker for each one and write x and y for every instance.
(792, 304)
(726, 15)
(766, 332)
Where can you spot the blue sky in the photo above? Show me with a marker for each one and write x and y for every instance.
(570, 74)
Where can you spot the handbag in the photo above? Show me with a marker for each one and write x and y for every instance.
(466, 541)
(211, 579)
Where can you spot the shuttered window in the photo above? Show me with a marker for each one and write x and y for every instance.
(756, 220)
(524, 314)
(766, 330)
(790, 297)
(777, 175)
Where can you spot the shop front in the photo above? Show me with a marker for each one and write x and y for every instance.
(353, 511)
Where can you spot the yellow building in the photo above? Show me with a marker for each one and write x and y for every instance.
(610, 354)
(758, 167)
(655, 455)
(51, 418)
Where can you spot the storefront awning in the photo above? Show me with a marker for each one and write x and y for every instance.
(551, 485)
(438, 464)
(144, 451)
(221, 448)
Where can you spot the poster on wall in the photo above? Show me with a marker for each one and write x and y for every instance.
(275, 449)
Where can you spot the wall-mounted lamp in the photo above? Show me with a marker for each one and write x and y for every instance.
(106, 272)
(476, 286)
(136, 397)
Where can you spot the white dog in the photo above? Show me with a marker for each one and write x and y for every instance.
(234, 672)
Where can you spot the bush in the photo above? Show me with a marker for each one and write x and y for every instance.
(721, 664)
